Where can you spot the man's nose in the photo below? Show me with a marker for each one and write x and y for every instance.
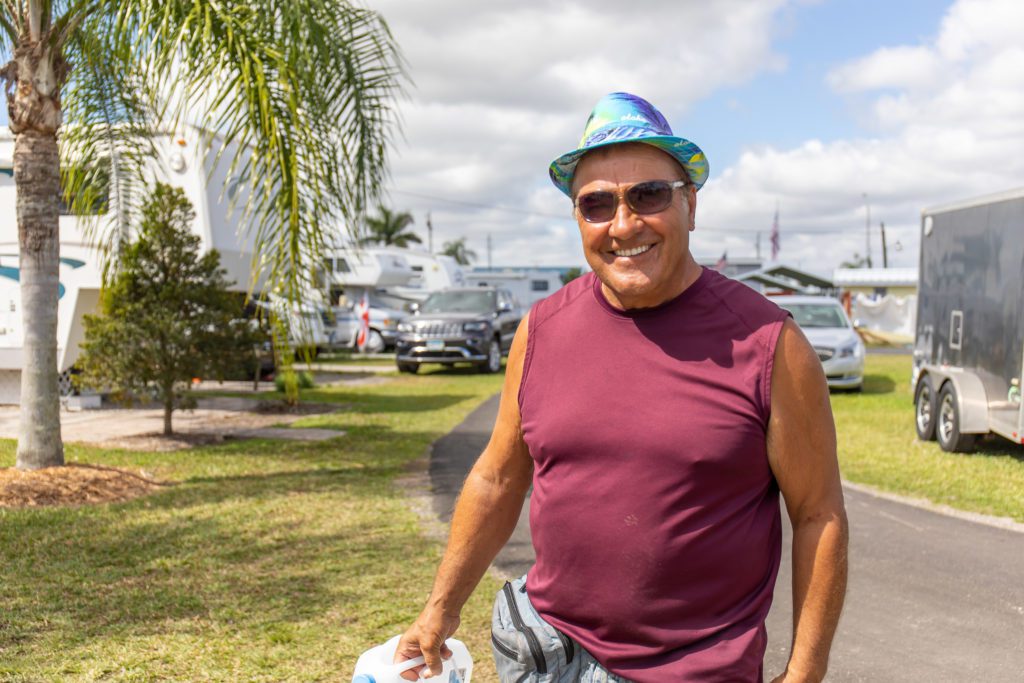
(625, 223)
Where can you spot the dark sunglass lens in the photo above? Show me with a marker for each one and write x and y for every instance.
(596, 207)
(649, 197)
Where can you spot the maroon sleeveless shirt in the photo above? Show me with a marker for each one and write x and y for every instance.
(654, 514)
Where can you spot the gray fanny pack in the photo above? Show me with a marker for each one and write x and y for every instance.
(527, 648)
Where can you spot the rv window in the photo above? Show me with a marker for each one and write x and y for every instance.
(417, 269)
(342, 266)
(539, 285)
(329, 265)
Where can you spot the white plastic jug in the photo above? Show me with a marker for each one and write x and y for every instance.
(376, 665)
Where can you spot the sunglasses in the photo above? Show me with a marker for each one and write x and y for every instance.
(647, 197)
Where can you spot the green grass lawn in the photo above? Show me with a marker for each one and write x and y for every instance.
(282, 561)
(878, 447)
(270, 561)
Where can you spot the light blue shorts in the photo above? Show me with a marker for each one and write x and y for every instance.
(527, 649)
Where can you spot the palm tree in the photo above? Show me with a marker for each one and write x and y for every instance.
(457, 250)
(302, 89)
(389, 228)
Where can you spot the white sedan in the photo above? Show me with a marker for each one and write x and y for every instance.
(833, 337)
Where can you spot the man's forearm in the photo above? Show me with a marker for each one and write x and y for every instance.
(484, 517)
(819, 586)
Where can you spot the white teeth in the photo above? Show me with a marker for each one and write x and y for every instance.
(633, 252)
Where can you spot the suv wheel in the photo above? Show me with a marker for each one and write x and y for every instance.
(411, 368)
(493, 362)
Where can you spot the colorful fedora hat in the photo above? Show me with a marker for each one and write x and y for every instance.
(621, 117)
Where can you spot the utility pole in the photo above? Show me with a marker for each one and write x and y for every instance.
(488, 251)
(430, 234)
(757, 245)
(867, 228)
(885, 252)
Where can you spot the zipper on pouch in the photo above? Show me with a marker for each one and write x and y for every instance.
(531, 637)
(502, 647)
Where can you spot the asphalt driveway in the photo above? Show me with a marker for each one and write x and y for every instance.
(931, 597)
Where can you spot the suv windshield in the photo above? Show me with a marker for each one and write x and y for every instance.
(459, 302)
(816, 315)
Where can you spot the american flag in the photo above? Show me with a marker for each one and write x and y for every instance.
(720, 264)
(775, 235)
(363, 313)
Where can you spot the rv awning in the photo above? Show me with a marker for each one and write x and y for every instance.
(802, 276)
(769, 281)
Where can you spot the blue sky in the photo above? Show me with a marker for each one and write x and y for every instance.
(784, 108)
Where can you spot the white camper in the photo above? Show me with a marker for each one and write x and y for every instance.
(183, 162)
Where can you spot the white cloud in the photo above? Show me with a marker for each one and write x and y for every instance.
(950, 122)
(503, 88)
(895, 67)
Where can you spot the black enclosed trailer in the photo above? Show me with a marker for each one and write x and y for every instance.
(969, 344)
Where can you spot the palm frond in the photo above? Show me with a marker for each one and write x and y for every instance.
(297, 94)
(107, 141)
(7, 22)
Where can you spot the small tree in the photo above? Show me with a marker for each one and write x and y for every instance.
(167, 315)
(570, 275)
(857, 261)
(458, 250)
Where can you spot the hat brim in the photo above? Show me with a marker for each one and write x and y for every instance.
(682, 150)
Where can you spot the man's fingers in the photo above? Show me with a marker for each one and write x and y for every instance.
(432, 657)
(446, 652)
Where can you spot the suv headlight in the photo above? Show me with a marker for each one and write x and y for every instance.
(406, 327)
(476, 327)
(851, 349)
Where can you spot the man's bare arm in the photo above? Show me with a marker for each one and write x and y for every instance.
(485, 515)
(802, 453)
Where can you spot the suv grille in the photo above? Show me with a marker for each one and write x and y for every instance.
(428, 329)
(824, 353)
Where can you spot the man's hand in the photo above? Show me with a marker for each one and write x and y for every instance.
(427, 636)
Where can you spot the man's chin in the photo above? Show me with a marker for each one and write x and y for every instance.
(633, 287)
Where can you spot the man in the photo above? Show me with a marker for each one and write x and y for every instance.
(658, 409)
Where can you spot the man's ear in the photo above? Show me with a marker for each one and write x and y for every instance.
(692, 202)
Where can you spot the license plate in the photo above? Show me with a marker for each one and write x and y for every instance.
(435, 345)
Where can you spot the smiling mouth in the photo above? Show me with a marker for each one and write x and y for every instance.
(636, 251)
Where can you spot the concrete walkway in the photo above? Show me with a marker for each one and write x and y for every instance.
(217, 416)
(214, 416)
(931, 597)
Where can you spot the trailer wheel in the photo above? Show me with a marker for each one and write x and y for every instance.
(924, 409)
(947, 424)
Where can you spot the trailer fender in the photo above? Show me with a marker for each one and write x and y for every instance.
(972, 402)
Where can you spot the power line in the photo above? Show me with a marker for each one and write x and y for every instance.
(476, 205)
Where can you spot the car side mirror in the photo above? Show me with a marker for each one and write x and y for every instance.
(504, 308)
(414, 307)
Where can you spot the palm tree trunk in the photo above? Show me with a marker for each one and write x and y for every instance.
(37, 177)
(35, 116)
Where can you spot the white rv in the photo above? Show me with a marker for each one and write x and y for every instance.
(183, 162)
(528, 285)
